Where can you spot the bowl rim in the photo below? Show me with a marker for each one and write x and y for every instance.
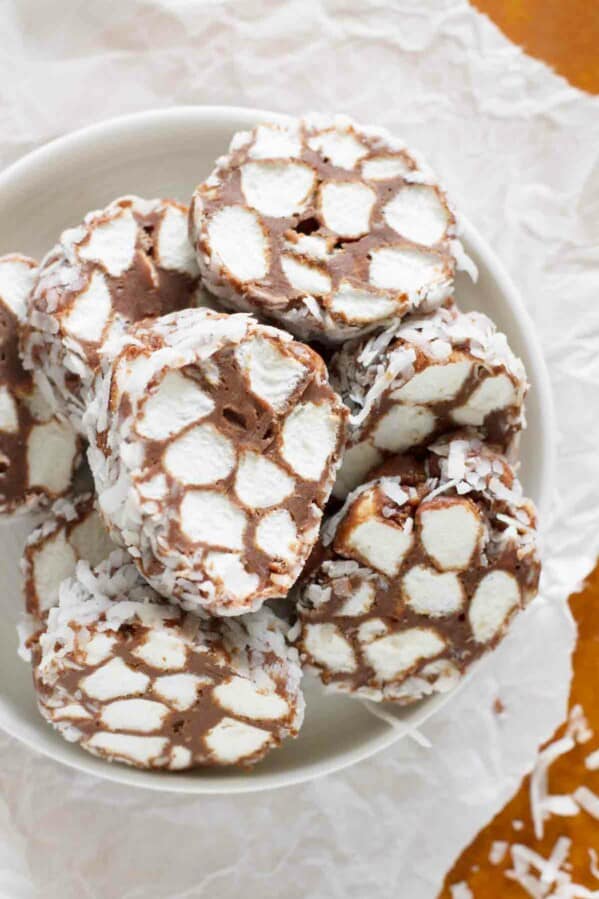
(69, 144)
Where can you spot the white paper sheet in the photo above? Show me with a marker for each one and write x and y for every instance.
(519, 150)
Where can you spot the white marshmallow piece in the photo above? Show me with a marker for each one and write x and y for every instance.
(113, 680)
(98, 648)
(71, 712)
(112, 243)
(360, 602)
(403, 427)
(277, 188)
(327, 646)
(276, 535)
(238, 240)
(434, 384)
(89, 312)
(346, 207)
(142, 715)
(339, 147)
(409, 271)
(241, 696)
(308, 279)
(177, 402)
(382, 545)
(383, 168)
(230, 570)
(51, 452)
(200, 456)
(417, 213)
(16, 281)
(180, 758)
(179, 690)
(162, 650)
(9, 416)
(358, 305)
(309, 437)
(395, 654)
(310, 245)
(232, 741)
(274, 142)
(141, 750)
(273, 376)
(52, 563)
(174, 249)
(260, 483)
(451, 531)
(430, 593)
(211, 518)
(496, 596)
(494, 393)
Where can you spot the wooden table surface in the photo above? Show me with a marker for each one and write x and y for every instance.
(564, 34)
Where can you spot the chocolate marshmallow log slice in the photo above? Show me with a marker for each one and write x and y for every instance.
(423, 571)
(124, 263)
(73, 531)
(327, 227)
(427, 376)
(39, 451)
(136, 680)
(214, 444)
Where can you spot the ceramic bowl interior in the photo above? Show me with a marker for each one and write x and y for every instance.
(166, 153)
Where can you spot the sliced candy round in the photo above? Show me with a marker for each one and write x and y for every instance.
(133, 679)
(421, 572)
(39, 450)
(73, 531)
(427, 376)
(127, 262)
(214, 443)
(325, 226)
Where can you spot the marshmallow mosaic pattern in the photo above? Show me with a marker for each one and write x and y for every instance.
(421, 575)
(73, 531)
(127, 262)
(423, 378)
(136, 680)
(330, 228)
(214, 444)
(38, 450)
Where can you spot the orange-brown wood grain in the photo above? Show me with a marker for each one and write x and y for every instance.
(473, 867)
(563, 33)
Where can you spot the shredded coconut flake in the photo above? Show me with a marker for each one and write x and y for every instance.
(588, 801)
(461, 891)
(498, 852)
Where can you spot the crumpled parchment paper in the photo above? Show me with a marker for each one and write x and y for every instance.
(519, 150)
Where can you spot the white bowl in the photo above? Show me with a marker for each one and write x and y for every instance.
(166, 153)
